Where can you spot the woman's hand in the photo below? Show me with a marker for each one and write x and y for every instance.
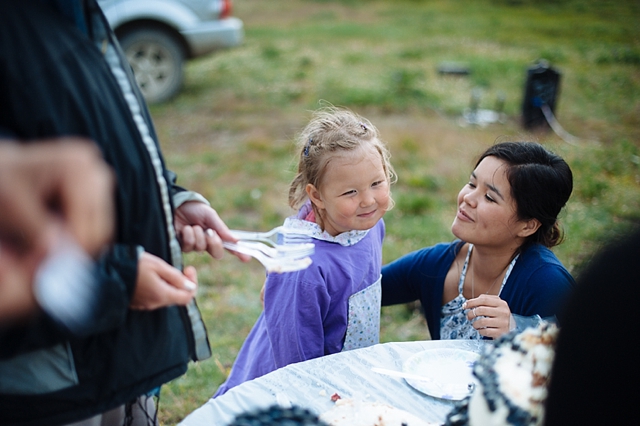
(489, 314)
(159, 284)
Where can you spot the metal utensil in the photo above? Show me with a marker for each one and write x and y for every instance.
(280, 250)
(279, 235)
(278, 264)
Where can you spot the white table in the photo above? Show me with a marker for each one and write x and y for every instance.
(310, 384)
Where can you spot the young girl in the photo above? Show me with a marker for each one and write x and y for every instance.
(342, 191)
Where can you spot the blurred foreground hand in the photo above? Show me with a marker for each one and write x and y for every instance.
(49, 191)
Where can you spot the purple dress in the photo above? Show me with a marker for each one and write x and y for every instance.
(331, 306)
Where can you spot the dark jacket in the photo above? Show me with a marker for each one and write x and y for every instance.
(54, 81)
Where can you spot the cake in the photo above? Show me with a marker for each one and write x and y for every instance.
(278, 416)
(345, 412)
(512, 376)
(349, 412)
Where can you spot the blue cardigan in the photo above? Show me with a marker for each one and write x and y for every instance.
(538, 285)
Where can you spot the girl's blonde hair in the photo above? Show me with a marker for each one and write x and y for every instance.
(333, 130)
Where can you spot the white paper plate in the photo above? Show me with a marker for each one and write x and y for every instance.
(448, 372)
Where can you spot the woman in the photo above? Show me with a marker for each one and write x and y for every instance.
(499, 270)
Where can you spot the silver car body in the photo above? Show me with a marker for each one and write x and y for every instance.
(196, 20)
(158, 35)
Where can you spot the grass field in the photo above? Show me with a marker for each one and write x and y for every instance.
(229, 134)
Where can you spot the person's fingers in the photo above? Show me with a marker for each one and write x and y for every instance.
(477, 311)
(192, 275)
(175, 278)
(469, 306)
(488, 314)
(187, 239)
(489, 321)
(182, 297)
(64, 182)
(490, 332)
(200, 240)
(214, 222)
(159, 284)
(485, 300)
(472, 314)
(486, 303)
(483, 311)
(214, 244)
(87, 198)
(243, 257)
(17, 299)
(23, 215)
(22, 223)
(164, 295)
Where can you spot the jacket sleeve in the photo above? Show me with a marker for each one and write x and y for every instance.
(399, 279)
(171, 179)
(295, 307)
(115, 273)
(180, 195)
(543, 291)
(420, 276)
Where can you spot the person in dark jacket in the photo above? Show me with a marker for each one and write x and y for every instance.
(62, 73)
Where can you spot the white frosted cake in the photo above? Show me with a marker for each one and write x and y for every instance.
(512, 381)
(348, 412)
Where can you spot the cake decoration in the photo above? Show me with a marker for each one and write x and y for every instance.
(513, 376)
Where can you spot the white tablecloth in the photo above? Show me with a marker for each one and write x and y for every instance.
(310, 384)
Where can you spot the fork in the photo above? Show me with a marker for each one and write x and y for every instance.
(278, 264)
(280, 250)
(279, 235)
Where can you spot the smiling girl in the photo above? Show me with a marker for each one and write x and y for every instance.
(341, 191)
(499, 272)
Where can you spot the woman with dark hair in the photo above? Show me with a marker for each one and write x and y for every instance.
(499, 272)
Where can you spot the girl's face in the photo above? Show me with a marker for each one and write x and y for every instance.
(486, 212)
(354, 193)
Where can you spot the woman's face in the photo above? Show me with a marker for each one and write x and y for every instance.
(486, 212)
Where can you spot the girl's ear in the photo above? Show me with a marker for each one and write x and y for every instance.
(529, 227)
(314, 196)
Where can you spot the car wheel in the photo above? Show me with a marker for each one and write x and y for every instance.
(156, 58)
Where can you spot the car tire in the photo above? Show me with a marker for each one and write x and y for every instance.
(157, 59)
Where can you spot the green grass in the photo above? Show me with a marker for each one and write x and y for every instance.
(229, 135)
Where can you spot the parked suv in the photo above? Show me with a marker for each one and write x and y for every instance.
(159, 35)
